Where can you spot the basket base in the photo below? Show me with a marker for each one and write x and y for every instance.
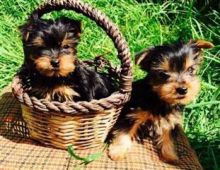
(61, 130)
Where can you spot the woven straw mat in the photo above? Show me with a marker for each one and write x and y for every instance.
(17, 151)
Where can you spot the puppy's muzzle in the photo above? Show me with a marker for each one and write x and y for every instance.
(55, 63)
(182, 90)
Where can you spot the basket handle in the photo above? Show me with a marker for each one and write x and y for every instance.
(101, 20)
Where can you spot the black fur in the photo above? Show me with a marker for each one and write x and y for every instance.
(157, 100)
(91, 85)
(143, 96)
(52, 32)
(176, 54)
(85, 81)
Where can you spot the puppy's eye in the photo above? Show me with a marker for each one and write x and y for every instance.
(164, 75)
(190, 70)
(196, 57)
(66, 46)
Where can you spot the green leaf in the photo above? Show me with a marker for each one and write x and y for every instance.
(94, 157)
(71, 151)
(86, 160)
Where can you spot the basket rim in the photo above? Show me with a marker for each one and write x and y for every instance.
(116, 99)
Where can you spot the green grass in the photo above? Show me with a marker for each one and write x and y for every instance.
(144, 23)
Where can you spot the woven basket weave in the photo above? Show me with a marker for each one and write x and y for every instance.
(81, 124)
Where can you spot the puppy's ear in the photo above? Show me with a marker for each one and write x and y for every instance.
(202, 44)
(78, 26)
(25, 31)
(74, 26)
(142, 59)
(28, 26)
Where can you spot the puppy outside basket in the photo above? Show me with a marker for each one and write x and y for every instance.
(81, 124)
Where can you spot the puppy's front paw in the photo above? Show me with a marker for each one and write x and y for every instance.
(117, 151)
(119, 147)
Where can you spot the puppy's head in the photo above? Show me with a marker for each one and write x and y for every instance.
(50, 46)
(172, 70)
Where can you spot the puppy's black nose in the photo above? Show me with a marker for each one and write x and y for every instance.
(55, 63)
(181, 90)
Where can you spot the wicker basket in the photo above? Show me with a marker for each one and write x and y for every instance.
(81, 124)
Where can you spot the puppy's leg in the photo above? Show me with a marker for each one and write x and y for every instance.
(120, 146)
(166, 146)
(123, 140)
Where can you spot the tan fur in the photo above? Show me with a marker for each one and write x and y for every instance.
(65, 92)
(189, 63)
(204, 44)
(166, 146)
(67, 42)
(193, 63)
(193, 90)
(43, 65)
(140, 57)
(38, 42)
(67, 62)
(120, 146)
(164, 140)
(67, 65)
(164, 65)
(123, 140)
(161, 125)
(167, 92)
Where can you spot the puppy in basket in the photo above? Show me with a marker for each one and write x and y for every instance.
(158, 99)
(51, 69)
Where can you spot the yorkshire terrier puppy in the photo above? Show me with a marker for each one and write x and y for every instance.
(51, 69)
(157, 100)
